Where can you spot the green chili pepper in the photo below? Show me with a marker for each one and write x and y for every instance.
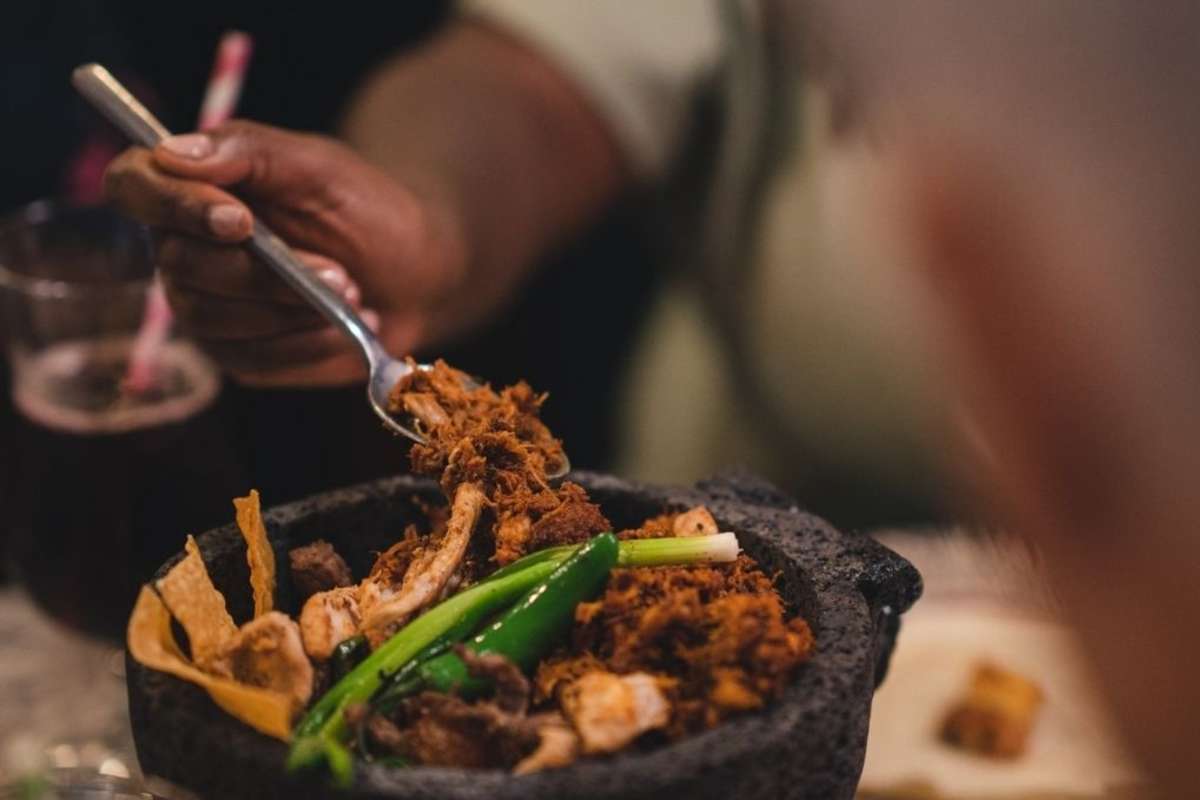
(527, 631)
(463, 612)
(348, 655)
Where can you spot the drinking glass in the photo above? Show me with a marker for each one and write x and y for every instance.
(105, 481)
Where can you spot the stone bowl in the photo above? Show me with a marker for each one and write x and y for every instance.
(809, 744)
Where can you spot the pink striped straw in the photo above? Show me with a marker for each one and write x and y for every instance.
(220, 99)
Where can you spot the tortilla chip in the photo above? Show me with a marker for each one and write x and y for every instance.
(193, 600)
(258, 551)
(151, 644)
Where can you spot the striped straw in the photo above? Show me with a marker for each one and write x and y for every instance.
(220, 99)
(225, 83)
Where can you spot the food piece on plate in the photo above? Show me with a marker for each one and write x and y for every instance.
(446, 412)
(496, 441)
(996, 715)
(267, 652)
(652, 528)
(562, 669)
(695, 522)
(426, 576)
(491, 453)
(193, 600)
(557, 744)
(440, 729)
(392, 565)
(152, 644)
(444, 730)
(317, 567)
(425, 408)
(510, 687)
(411, 564)
(328, 619)
(720, 631)
(609, 711)
(259, 554)
(258, 673)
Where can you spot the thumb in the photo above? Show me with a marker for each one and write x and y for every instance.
(258, 157)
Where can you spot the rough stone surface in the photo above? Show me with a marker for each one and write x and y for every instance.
(808, 745)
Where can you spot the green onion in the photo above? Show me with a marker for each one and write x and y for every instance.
(717, 548)
(672, 550)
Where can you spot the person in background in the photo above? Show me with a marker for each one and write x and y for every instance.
(1044, 178)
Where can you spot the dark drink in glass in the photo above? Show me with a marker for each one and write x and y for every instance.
(106, 482)
(108, 486)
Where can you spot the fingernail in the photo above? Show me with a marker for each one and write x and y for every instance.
(352, 295)
(189, 145)
(228, 221)
(371, 318)
(335, 279)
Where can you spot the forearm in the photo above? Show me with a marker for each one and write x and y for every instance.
(502, 146)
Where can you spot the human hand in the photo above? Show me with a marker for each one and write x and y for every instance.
(393, 254)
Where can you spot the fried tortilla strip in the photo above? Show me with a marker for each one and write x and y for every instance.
(426, 577)
(193, 600)
(152, 645)
(258, 551)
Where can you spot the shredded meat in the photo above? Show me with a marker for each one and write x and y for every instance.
(267, 652)
(511, 693)
(446, 412)
(653, 528)
(437, 729)
(719, 630)
(559, 670)
(316, 568)
(495, 441)
(445, 730)
(408, 576)
(428, 574)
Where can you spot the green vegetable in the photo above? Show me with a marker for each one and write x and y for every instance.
(525, 632)
(672, 550)
(464, 611)
(348, 655)
(321, 733)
